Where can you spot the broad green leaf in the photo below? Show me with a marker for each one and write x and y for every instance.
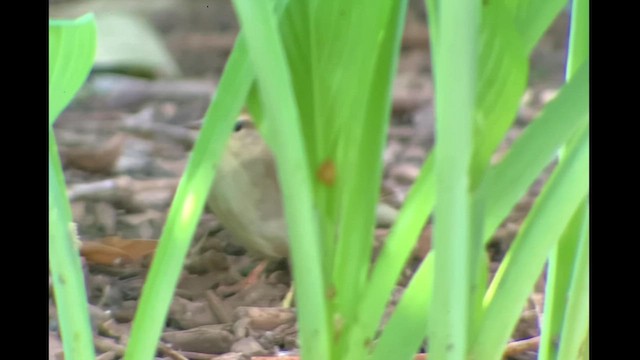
(72, 46)
(345, 40)
(503, 73)
(362, 124)
(377, 114)
(532, 18)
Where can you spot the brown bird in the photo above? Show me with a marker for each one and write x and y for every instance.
(246, 195)
(247, 200)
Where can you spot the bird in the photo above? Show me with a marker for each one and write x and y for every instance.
(246, 196)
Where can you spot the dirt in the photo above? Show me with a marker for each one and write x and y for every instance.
(125, 141)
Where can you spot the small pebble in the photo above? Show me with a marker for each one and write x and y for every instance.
(125, 312)
(405, 173)
(209, 339)
(414, 154)
(401, 133)
(231, 356)
(248, 346)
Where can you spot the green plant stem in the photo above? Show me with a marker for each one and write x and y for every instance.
(188, 205)
(575, 324)
(65, 266)
(398, 246)
(408, 323)
(274, 82)
(563, 262)
(559, 273)
(455, 80)
(578, 37)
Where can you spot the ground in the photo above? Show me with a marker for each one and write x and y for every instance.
(124, 142)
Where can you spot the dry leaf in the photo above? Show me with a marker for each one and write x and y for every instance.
(100, 160)
(114, 250)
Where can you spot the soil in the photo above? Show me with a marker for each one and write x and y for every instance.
(124, 142)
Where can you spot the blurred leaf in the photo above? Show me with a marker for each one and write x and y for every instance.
(259, 22)
(561, 195)
(71, 51)
(129, 44)
(189, 201)
(502, 79)
(532, 18)
(144, 8)
(506, 182)
(72, 45)
(408, 323)
(188, 204)
(575, 328)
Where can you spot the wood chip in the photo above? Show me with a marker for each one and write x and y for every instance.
(218, 307)
(264, 318)
(97, 160)
(210, 339)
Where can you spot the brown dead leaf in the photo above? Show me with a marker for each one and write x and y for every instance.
(98, 160)
(114, 250)
(209, 339)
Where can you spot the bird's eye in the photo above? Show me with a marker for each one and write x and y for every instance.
(240, 124)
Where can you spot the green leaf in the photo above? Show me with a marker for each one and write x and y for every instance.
(188, 204)
(575, 329)
(266, 51)
(362, 125)
(66, 269)
(561, 196)
(578, 36)
(129, 44)
(72, 46)
(506, 182)
(376, 114)
(456, 75)
(71, 51)
(532, 18)
(408, 323)
(566, 299)
(562, 267)
(502, 79)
